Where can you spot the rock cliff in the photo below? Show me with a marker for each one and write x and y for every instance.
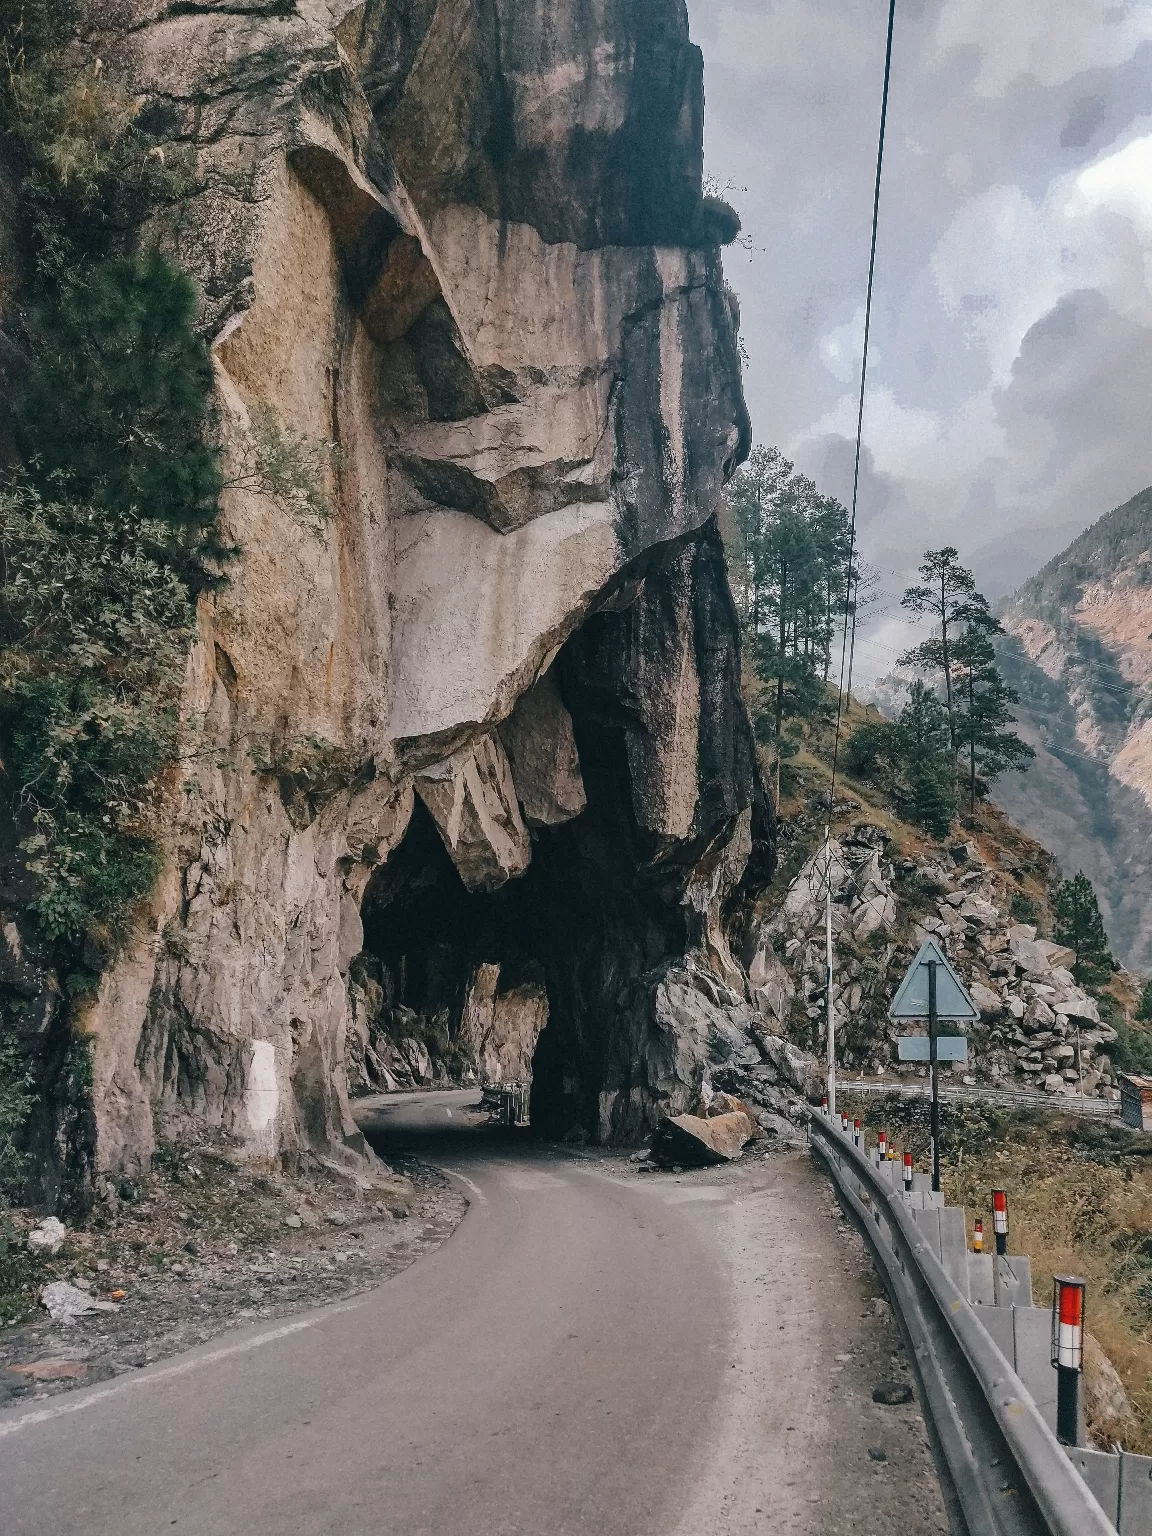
(466, 745)
(1080, 655)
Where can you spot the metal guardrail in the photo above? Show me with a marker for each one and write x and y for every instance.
(508, 1101)
(1009, 1474)
(1011, 1098)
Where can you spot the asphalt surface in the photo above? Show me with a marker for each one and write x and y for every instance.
(594, 1350)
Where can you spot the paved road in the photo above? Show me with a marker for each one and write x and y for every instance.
(593, 1351)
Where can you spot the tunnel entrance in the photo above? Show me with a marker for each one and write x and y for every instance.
(450, 986)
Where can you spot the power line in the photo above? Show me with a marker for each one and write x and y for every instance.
(848, 604)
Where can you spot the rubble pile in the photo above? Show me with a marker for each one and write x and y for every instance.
(1038, 1028)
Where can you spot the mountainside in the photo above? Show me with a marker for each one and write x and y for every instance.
(463, 751)
(1079, 652)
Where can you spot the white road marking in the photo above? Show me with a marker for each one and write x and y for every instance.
(481, 1197)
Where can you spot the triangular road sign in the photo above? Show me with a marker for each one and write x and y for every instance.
(952, 1000)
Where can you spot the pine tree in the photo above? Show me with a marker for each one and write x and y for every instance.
(117, 403)
(789, 562)
(926, 756)
(983, 713)
(1080, 926)
(949, 595)
(1144, 1010)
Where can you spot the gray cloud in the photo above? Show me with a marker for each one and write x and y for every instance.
(1012, 305)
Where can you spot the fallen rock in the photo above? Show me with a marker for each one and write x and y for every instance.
(64, 1303)
(986, 1000)
(57, 1370)
(690, 1141)
(49, 1237)
(892, 1393)
(1028, 955)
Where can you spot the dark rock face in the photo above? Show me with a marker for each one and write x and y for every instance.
(604, 913)
(584, 121)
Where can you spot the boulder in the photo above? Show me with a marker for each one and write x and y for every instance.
(989, 1003)
(49, 1237)
(694, 1142)
(795, 1066)
(1080, 1007)
(872, 915)
(1053, 1083)
(1038, 1015)
(1059, 955)
(1028, 955)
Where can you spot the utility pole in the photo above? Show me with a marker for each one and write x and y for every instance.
(934, 1056)
(828, 973)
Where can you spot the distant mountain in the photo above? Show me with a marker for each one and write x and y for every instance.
(1079, 651)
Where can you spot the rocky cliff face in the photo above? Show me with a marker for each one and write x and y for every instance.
(469, 744)
(1080, 655)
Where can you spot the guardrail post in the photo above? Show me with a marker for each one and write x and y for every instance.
(1068, 1355)
(1000, 1220)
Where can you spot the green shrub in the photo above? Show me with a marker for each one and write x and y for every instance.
(94, 627)
(117, 406)
(1022, 909)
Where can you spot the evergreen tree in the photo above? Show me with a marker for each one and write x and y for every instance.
(117, 403)
(1080, 926)
(983, 713)
(1144, 1010)
(789, 560)
(925, 751)
(948, 593)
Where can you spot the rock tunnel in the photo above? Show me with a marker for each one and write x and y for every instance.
(551, 974)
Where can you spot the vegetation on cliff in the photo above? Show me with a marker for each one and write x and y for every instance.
(107, 510)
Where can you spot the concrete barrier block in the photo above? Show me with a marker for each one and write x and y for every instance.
(1135, 1494)
(1101, 1472)
(980, 1285)
(1032, 1343)
(953, 1251)
(928, 1224)
(1013, 1280)
(922, 1181)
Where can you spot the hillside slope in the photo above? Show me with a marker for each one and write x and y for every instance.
(1079, 652)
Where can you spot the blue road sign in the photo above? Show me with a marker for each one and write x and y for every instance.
(919, 1048)
(952, 1000)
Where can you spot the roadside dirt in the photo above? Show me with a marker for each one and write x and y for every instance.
(203, 1244)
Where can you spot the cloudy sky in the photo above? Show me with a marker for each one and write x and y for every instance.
(1010, 382)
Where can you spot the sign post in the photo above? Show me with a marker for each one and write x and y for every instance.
(931, 990)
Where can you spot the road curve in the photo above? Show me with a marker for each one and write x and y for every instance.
(592, 1351)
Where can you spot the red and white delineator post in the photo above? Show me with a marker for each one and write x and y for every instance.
(978, 1237)
(907, 1172)
(843, 1122)
(882, 1145)
(824, 1106)
(857, 1132)
(1000, 1219)
(1068, 1355)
